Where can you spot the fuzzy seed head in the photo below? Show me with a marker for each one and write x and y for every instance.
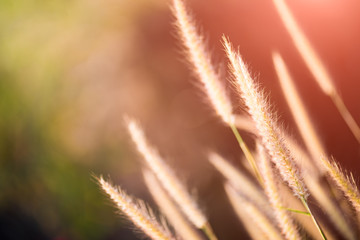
(201, 61)
(265, 122)
(137, 211)
(169, 208)
(166, 176)
(346, 183)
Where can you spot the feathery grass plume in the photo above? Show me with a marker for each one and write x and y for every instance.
(239, 181)
(314, 63)
(169, 181)
(137, 211)
(169, 208)
(265, 122)
(257, 215)
(270, 133)
(345, 183)
(288, 227)
(300, 115)
(166, 176)
(201, 60)
(323, 197)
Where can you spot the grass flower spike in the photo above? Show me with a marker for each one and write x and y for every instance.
(166, 176)
(137, 212)
(201, 61)
(265, 122)
(345, 183)
(170, 210)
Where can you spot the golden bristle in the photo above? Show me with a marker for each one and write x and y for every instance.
(166, 176)
(265, 123)
(201, 61)
(345, 183)
(169, 208)
(137, 212)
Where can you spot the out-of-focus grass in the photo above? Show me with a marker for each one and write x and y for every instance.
(42, 178)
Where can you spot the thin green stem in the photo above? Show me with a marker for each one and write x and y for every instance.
(295, 211)
(304, 202)
(207, 229)
(344, 112)
(247, 153)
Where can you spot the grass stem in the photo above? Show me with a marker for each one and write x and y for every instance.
(247, 153)
(304, 202)
(295, 211)
(207, 229)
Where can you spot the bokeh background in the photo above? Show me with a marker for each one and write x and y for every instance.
(70, 70)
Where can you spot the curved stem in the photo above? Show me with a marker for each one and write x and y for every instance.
(207, 229)
(304, 202)
(247, 153)
(295, 211)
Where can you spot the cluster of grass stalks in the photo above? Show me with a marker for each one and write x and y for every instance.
(274, 203)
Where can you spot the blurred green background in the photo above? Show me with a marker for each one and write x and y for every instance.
(54, 130)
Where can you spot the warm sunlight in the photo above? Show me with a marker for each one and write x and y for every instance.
(179, 119)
